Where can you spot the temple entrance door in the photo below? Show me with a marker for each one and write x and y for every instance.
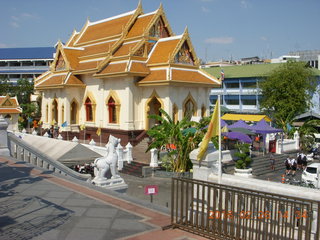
(55, 111)
(74, 113)
(154, 106)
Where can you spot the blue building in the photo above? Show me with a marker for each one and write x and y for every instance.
(240, 90)
(17, 63)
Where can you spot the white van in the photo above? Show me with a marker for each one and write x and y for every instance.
(311, 174)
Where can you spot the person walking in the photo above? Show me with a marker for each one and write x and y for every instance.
(287, 164)
(304, 161)
(293, 166)
(272, 162)
(299, 161)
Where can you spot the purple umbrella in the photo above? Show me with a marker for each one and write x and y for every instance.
(263, 127)
(238, 136)
(223, 123)
(240, 124)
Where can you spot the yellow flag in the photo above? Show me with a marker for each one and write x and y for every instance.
(213, 130)
(40, 122)
(98, 131)
(53, 122)
(82, 127)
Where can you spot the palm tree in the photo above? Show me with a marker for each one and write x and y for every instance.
(306, 134)
(174, 135)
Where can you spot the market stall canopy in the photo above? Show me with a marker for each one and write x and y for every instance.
(245, 117)
(238, 136)
(263, 127)
(242, 130)
(239, 124)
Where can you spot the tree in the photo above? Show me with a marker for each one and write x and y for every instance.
(287, 92)
(5, 86)
(175, 135)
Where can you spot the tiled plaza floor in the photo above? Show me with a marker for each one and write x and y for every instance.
(40, 205)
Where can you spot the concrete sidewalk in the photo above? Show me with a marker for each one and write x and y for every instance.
(41, 205)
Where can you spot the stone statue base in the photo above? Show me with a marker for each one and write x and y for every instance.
(112, 184)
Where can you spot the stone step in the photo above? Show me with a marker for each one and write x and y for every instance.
(133, 168)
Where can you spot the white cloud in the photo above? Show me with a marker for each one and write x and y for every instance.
(206, 10)
(28, 15)
(244, 4)
(17, 19)
(263, 38)
(14, 18)
(14, 24)
(220, 40)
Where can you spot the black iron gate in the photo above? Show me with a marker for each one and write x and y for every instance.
(223, 212)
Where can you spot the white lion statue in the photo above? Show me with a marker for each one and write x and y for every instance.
(109, 161)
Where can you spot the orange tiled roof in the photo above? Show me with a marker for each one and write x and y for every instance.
(124, 50)
(104, 30)
(88, 65)
(73, 80)
(114, 68)
(190, 76)
(155, 76)
(12, 110)
(162, 51)
(72, 56)
(139, 26)
(51, 80)
(97, 48)
(139, 67)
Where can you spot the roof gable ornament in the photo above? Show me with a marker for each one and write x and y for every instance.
(159, 26)
(184, 52)
(7, 102)
(60, 63)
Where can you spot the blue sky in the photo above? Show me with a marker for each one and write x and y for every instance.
(219, 29)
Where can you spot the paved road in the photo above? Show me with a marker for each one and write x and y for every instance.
(40, 205)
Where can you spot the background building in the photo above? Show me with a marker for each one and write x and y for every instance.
(310, 56)
(240, 88)
(17, 63)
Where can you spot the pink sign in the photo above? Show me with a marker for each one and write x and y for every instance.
(151, 190)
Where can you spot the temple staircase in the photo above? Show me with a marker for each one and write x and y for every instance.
(140, 159)
(261, 164)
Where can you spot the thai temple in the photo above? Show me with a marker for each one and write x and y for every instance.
(10, 110)
(116, 72)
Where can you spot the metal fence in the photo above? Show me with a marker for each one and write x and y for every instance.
(223, 212)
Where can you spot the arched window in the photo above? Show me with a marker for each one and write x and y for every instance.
(175, 113)
(89, 110)
(112, 110)
(54, 112)
(189, 109)
(74, 113)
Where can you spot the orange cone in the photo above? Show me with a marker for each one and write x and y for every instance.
(283, 179)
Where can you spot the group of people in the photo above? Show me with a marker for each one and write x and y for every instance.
(295, 164)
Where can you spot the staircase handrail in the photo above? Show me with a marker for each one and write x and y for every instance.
(52, 162)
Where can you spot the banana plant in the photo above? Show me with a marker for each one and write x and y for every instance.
(174, 137)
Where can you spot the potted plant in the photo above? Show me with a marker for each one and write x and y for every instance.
(242, 166)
